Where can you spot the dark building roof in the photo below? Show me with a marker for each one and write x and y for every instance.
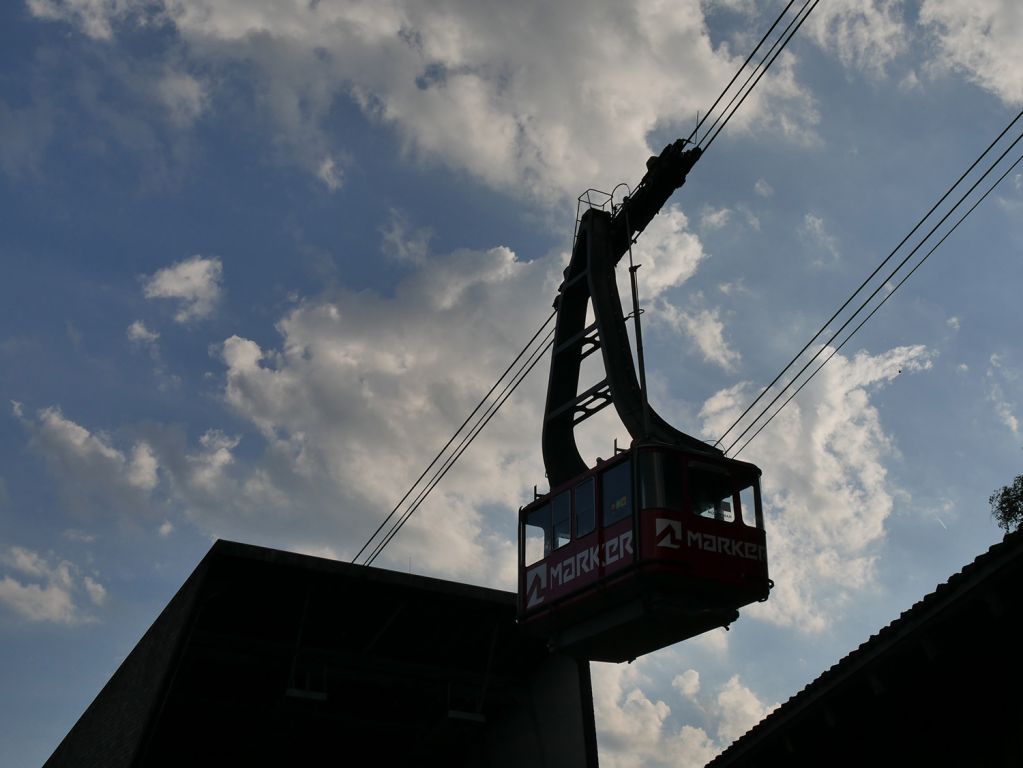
(937, 686)
(267, 657)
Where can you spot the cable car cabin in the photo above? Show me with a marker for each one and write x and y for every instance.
(647, 549)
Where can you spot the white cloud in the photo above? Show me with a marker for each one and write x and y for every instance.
(668, 252)
(184, 97)
(537, 113)
(825, 483)
(94, 17)
(141, 469)
(194, 282)
(45, 588)
(980, 38)
(763, 189)
(91, 470)
(953, 323)
(865, 35)
(404, 243)
(997, 376)
(341, 407)
(738, 709)
(637, 728)
(142, 337)
(706, 330)
(96, 591)
(714, 218)
(688, 683)
(814, 232)
(140, 334)
(330, 173)
(166, 528)
(73, 534)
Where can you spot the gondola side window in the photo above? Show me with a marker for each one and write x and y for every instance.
(749, 505)
(562, 512)
(660, 483)
(538, 534)
(711, 492)
(616, 489)
(585, 509)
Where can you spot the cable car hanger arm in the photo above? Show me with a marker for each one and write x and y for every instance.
(603, 238)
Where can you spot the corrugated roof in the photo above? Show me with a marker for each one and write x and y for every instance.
(959, 586)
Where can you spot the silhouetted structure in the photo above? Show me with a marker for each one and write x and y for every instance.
(270, 658)
(938, 686)
(666, 539)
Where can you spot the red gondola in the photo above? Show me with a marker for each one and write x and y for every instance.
(649, 548)
(665, 540)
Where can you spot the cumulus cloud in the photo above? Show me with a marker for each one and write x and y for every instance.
(669, 253)
(357, 381)
(815, 233)
(865, 35)
(194, 283)
(46, 589)
(688, 683)
(142, 337)
(981, 39)
(183, 96)
(405, 243)
(825, 483)
(94, 17)
(90, 467)
(714, 218)
(738, 709)
(140, 334)
(637, 728)
(706, 330)
(330, 173)
(538, 113)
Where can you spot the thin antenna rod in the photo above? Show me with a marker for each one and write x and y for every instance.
(640, 360)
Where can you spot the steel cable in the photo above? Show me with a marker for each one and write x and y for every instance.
(440, 453)
(874, 293)
(536, 356)
(881, 303)
(866, 281)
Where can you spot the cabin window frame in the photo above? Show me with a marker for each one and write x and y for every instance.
(623, 467)
(592, 482)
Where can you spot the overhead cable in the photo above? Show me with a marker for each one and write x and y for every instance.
(880, 304)
(458, 431)
(510, 388)
(534, 357)
(870, 277)
(990, 169)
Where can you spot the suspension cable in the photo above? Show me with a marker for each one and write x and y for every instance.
(875, 291)
(898, 285)
(757, 68)
(537, 355)
(468, 418)
(521, 374)
(763, 71)
(867, 280)
(701, 121)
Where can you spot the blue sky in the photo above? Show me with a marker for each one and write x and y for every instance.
(261, 258)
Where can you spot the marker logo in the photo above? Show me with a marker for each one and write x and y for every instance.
(536, 585)
(668, 533)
